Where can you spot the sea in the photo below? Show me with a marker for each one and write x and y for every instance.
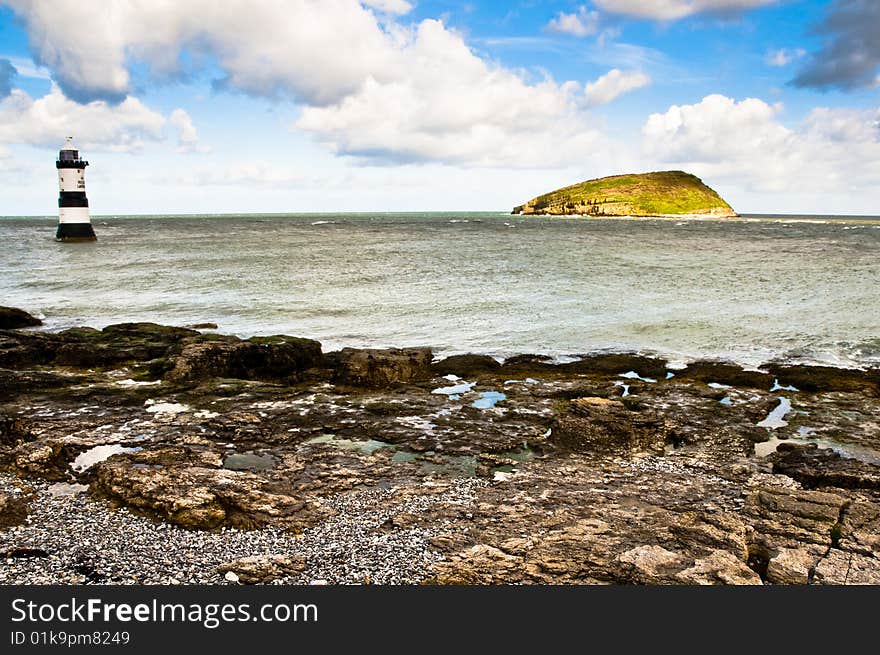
(800, 289)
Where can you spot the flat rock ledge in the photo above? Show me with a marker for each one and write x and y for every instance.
(143, 453)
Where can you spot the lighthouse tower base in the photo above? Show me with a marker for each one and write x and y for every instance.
(75, 232)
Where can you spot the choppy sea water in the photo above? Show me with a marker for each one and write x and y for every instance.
(803, 289)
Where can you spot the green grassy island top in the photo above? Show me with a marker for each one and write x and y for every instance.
(664, 193)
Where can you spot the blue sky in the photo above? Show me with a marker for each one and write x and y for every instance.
(396, 105)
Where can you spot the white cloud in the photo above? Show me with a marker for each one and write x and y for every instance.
(715, 129)
(397, 7)
(613, 84)
(746, 144)
(783, 57)
(96, 125)
(581, 24)
(377, 90)
(187, 135)
(675, 9)
(314, 50)
(449, 105)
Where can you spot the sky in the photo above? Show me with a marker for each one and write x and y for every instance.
(410, 105)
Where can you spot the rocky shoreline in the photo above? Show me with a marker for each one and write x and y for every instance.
(143, 453)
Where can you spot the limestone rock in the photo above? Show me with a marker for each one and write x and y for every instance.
(480, 564)
(650, 563)
(194, 495)
(266, 358)
(842, 568)
(712, 531)
(591, 495)
(783, 518)
(793, 565)
(601, 425)
(860, 528)
(260, 569)
(380, 368)
(822, 467)
(719, 567)
(13, 509)
(43, 459)
(87, 347)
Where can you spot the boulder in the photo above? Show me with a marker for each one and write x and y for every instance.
(187, 488)
(259, 358)
(719, 567)
(116, 344)
(793, 565)
(48, 459)
(261, 569)
(650, 563)
(26, 349)
(12, 318)
(89, 348)
(603, 426)
(380, 368)
(479, 564)
(822, 467)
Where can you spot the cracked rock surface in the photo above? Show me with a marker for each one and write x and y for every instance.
(152, 454)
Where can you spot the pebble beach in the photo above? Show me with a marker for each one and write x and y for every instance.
(71, 539)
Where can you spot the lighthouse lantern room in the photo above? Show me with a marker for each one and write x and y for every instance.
(74, 223)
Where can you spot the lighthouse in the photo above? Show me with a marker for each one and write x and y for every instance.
(73, 206)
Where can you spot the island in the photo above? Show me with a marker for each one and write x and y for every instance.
(658, 194)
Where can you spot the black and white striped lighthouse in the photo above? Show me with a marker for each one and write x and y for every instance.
(74, 223)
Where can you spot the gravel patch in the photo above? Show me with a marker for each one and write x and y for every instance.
(71, 539)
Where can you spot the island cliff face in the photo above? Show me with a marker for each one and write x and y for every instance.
(664, 193)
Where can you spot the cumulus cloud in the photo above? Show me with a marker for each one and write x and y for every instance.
(850, 57)
(449, 105)
(7, 72)
(187, 135)
(97, 125)
(317, 52)
(676, 9)
(613, 84)
(783, 57)
(745, 143)
(581, 23)
(378, 90)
